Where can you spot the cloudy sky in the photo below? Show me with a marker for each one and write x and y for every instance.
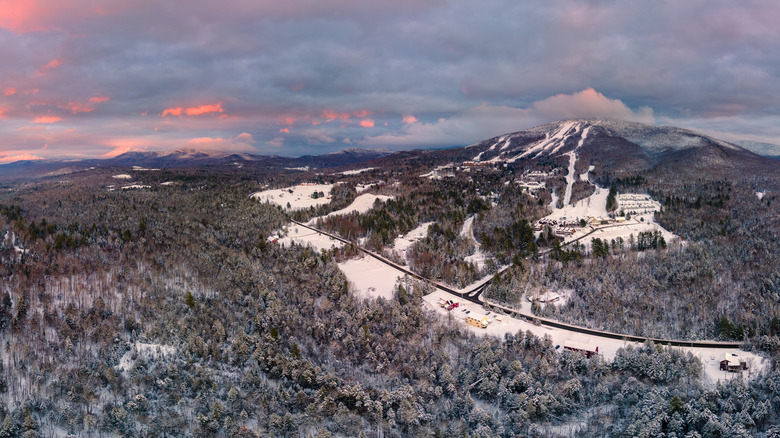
(91, 78)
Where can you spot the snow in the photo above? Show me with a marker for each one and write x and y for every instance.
(142, 169)
(122, 176)
(360, 188)
(300, 198)
(554, 142)
(357, 171)
(608, 348)
(760, 195)
(370, 278)
(585, 176)
(135, 186)
(305, 236)
(145, 351)
(167, 183)
(479, 257)
(361, 204)
(403, 243)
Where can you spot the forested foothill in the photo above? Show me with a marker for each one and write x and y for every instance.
(166, 311)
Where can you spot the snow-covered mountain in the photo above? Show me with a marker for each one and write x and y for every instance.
(621, 147)
(188, 158)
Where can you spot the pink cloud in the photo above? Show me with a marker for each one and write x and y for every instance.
(10, 91)
(78, 107)
(409, 119)
(99, 99)
(193, 111)
(204, 109)
(51, 65)
(19, 157)
(367, 123)
(47, 119)
(330, 115)
(285, 130)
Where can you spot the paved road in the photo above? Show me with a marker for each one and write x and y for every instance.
(473, 296)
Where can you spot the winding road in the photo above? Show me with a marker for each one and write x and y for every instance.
(473, 295)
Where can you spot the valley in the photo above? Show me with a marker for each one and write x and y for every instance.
(234, 300)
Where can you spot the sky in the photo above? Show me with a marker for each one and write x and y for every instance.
(92, 78)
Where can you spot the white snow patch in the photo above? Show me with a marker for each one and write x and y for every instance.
(370, 278)
(167, 183)
(135, 186)
(479, 257)
(360, 188)
(361, 204)
(122, 176)
(304, 236)
(145, 351)
(299, 196)
(760, 195)
(403, 243)
(357, 171)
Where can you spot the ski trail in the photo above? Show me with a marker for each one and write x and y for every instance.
(571, 177)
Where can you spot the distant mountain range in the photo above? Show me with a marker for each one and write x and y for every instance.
(187, 158)
(613, 147)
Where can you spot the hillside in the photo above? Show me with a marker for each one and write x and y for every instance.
(183, 300)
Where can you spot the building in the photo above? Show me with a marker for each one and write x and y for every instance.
(586, 349)
(481, 323)
(732, 362)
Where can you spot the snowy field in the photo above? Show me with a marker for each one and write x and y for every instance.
(479, 257)
(370, 278)
(357, 171)
(710, 357)
(305, 236)
(298, 197)
(361, 204)
(122, 176)
(402, 244)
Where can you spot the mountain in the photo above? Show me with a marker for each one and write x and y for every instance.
(620, 148)
(186, 158)
(770, 150)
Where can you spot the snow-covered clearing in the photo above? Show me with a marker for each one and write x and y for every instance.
(122, 176)
(357, 171)
(403, 243)
(135, 186)
(479, 257)
(142, 169)
(370, 278)
(360, 188)
(361, 204)
(710, 357)
(144, 351)
(298, 197)
(760, 195)
(304, 236)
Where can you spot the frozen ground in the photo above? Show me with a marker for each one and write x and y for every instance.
(361, 204)
(301, 196)
(403, 243)
(479, 257)
(710, 357)
(305, 236)
(143, 351)
(370, 278)
(357, 171)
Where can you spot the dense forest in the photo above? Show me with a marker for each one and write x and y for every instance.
(165, 311)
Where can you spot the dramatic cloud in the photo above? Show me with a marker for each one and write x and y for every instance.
(306, 77)
(484, 121)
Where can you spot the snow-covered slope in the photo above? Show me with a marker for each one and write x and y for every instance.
(619, 146)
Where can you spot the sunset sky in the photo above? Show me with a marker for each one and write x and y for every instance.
(91, 78)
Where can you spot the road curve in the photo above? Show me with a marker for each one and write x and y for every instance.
(535, 319)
